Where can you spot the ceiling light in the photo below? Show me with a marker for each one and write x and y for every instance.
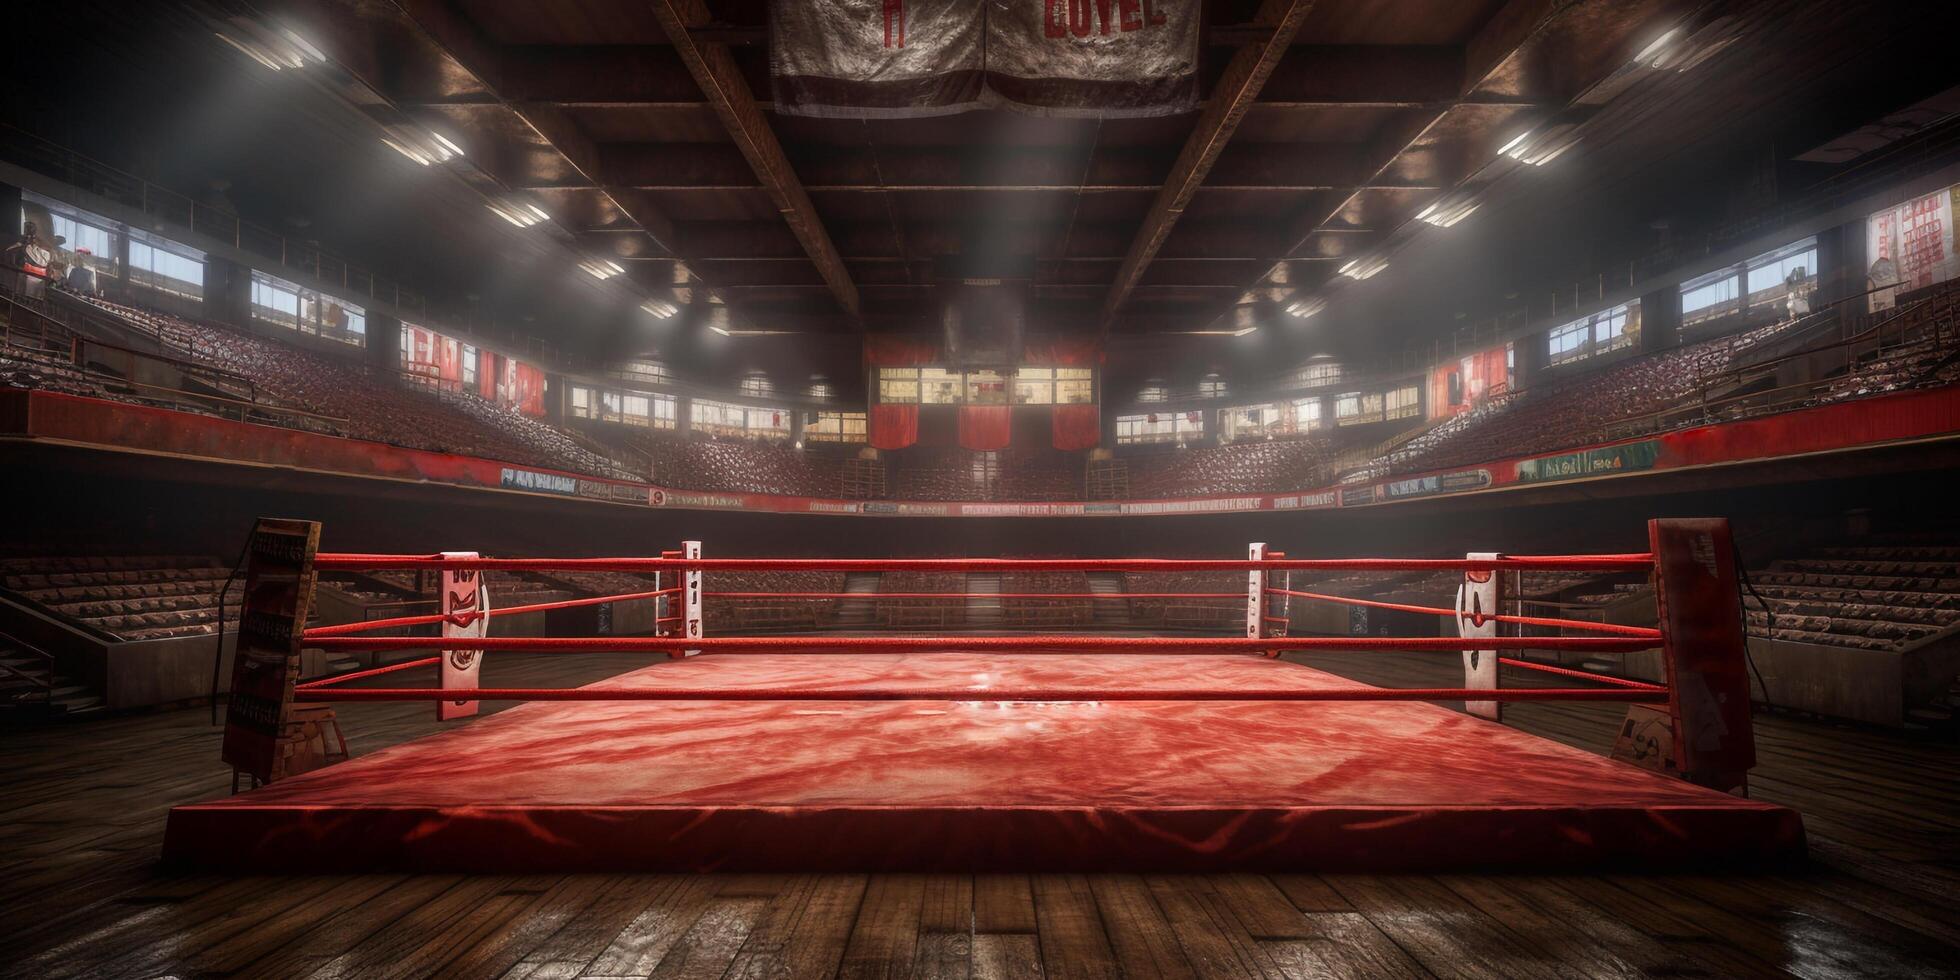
(1655, 55)
(274, 47)
(602, 268)
(1540, 149)
(660, 308)
(519, 213)
(1515, 140)
(422, 146)
(1306, 306)
(1364, 268)
(1444, 212)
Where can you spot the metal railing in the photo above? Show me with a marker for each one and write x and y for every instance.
(41, 687)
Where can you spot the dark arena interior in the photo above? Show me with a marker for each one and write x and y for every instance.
(980, 488)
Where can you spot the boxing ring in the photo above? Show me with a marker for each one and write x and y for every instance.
(1042, 751)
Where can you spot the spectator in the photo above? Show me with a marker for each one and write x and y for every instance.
(81, 275)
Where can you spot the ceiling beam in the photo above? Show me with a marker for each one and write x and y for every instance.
(1244, 76)
(715, 71)
(1506, 33)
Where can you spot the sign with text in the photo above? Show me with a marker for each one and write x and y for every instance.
(465, 614)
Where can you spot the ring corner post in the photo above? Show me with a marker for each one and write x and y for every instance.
(263, 735)
(1478, 601)
(1255, 595)
(692, 623)
(1700, 609)
(465, 614)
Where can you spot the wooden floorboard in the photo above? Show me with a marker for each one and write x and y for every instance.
(82, 895)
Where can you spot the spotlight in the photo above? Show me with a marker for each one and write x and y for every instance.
(659, 308)
(422, 146)
(1444, 213)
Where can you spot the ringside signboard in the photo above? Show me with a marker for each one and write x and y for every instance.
(277, 600)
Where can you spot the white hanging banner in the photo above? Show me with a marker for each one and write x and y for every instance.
(465, 613)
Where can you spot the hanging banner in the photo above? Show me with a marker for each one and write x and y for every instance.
(1909, 247)
(902, 58)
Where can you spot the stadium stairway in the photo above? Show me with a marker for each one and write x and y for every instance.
(1106, 612)
(983, 611)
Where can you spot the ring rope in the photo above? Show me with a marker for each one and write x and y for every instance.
(1577, 624)
(602, 693)
(1029, 644)
(1579, 674)
(1601, 563)
(466, 618)
(363, 674)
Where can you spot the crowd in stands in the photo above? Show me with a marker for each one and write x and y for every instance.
(1876, 597)
(145, 597)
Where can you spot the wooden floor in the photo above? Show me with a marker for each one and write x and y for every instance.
(81, 816)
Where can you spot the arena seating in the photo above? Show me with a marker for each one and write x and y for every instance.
(377, 406)
(1247, 467)
(739, 466)
(922, 612)
(143, 597)
(739, 615)
(1206, 614)
(1046, 612)
(959, 474)
(1878, 597)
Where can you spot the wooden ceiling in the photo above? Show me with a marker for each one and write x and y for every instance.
(1328, 126)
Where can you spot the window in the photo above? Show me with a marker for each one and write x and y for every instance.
(769, 423)
(836, 427)
(273, 300)
(1159, 427)
(1034, 386)
(633, 410)
(1074, 386)
(166, 266)
(986, 388)
(663, 414)
(1770, 274)
(898, 385)
(651, 372)
(581, 407)
(1404, 402)
(1249, 422)
(938, 386)
(99, 240)
(755, 383)
(820, 391)
(1152, 392)
(1313, 374)
(1306, 414)
(1610, 331)
(1358, 408)
(1710, 296)
(1211, 386)
(718, 418)
(469, 365)
(1568, 342)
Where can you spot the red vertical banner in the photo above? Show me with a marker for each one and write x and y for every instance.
(1076, 427)
(985, 428)
(489, 369)
(894, 426)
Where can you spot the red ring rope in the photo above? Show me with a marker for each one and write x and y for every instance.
(1600, 563)
(1029, 644)
(343, 629)
(1577, 624)
(1579, 674)
(1237, 596)
(360, 674)
(597, 693)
